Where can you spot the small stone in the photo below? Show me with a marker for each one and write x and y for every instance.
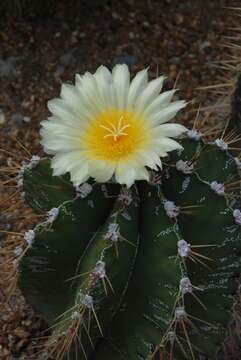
(204, 45)
(184, 248)
(184, 166)
(87, 301)
(21, 333)
(237, 216)
(66, 59)
(179, 19)
(8, 67)
(2, 117)
(131, 35)
(185, 286)
(218, 188)
(125, 58)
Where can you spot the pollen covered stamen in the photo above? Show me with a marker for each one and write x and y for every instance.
(115, 131)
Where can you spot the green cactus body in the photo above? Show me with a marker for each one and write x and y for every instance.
(130, 274)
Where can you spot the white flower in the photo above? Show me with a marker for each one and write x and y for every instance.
(107, 125)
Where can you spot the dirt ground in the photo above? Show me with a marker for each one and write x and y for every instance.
(42, 47)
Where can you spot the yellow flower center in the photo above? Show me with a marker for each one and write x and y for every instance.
(115, 135)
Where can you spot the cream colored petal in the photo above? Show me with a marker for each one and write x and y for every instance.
(63, 111)
(104, 86)
(101, 171)
(167, 113)
(149, 94)
(159, 103)
(137, 86)
(168, 130)
(166, 144)
(63, 162)
(89, 94)
(79, 174)
(121, 81)
(142, 174)
(150, 159)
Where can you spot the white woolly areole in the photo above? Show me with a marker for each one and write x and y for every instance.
(125, 196)
(194, 134)
(52, 215)
(184, 166)
(171, 209)
(180, 312)
(18, 250)
(221, 144)
(87, 301)
(183, 248)
(35, 159)
(238, 163)
(99, 269)
(113, 232)
(84, 190)
(76, 315)
(185, 285)
(29, 237)
(218, 188)
(107, 125)
(237, 216)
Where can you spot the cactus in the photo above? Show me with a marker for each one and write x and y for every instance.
(141, 273)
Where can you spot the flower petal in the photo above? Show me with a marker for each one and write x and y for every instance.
(167, 113)
(169, 130)
(149, 94)
(136, 87)
(159, 103)
(121, 80)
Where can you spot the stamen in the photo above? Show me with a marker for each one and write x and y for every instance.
(115, 131)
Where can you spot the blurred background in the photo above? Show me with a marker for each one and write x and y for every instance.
(45, 42)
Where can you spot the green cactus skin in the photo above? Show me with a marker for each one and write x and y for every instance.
(108, 273)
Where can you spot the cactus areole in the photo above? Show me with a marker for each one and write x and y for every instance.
(138, 258)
